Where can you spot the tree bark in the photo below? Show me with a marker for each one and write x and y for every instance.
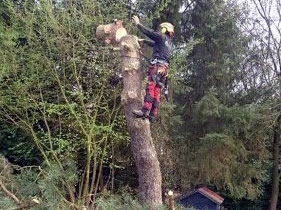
(149, 174)
(275, 169)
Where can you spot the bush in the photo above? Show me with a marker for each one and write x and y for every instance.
(125, 201)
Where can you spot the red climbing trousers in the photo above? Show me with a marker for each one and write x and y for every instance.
(157, 74)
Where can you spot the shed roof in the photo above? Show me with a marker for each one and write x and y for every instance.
(211, 195)
(207, 193)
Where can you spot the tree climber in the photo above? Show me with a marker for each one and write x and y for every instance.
(158, 70)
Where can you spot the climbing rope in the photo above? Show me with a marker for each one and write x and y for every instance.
(148, 60)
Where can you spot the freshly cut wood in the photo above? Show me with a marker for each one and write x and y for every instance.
(111, 33)
(171, 202)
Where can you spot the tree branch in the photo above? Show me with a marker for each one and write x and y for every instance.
(8, 193)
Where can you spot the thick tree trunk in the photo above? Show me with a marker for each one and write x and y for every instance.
(275, 171)
(149, 175)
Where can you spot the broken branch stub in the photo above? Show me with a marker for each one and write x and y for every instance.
(111, 33)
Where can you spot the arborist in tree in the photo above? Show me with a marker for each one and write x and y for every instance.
(161, 41)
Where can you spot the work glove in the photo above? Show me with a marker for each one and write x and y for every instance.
(162, 71)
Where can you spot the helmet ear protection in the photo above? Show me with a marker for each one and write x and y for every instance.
(167, 28)
(163, 30)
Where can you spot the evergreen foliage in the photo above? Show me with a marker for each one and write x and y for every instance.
(63, 135)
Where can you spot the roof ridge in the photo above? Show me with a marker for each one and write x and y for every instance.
(210, 194)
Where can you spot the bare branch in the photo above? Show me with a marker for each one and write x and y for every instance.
(9, 193)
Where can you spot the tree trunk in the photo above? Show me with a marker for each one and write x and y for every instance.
(149, 175)
(275, 171)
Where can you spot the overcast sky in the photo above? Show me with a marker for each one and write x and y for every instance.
(271, 13)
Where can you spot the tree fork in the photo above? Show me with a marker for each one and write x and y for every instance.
(148, 168)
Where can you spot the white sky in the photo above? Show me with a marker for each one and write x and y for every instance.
(271, 12)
